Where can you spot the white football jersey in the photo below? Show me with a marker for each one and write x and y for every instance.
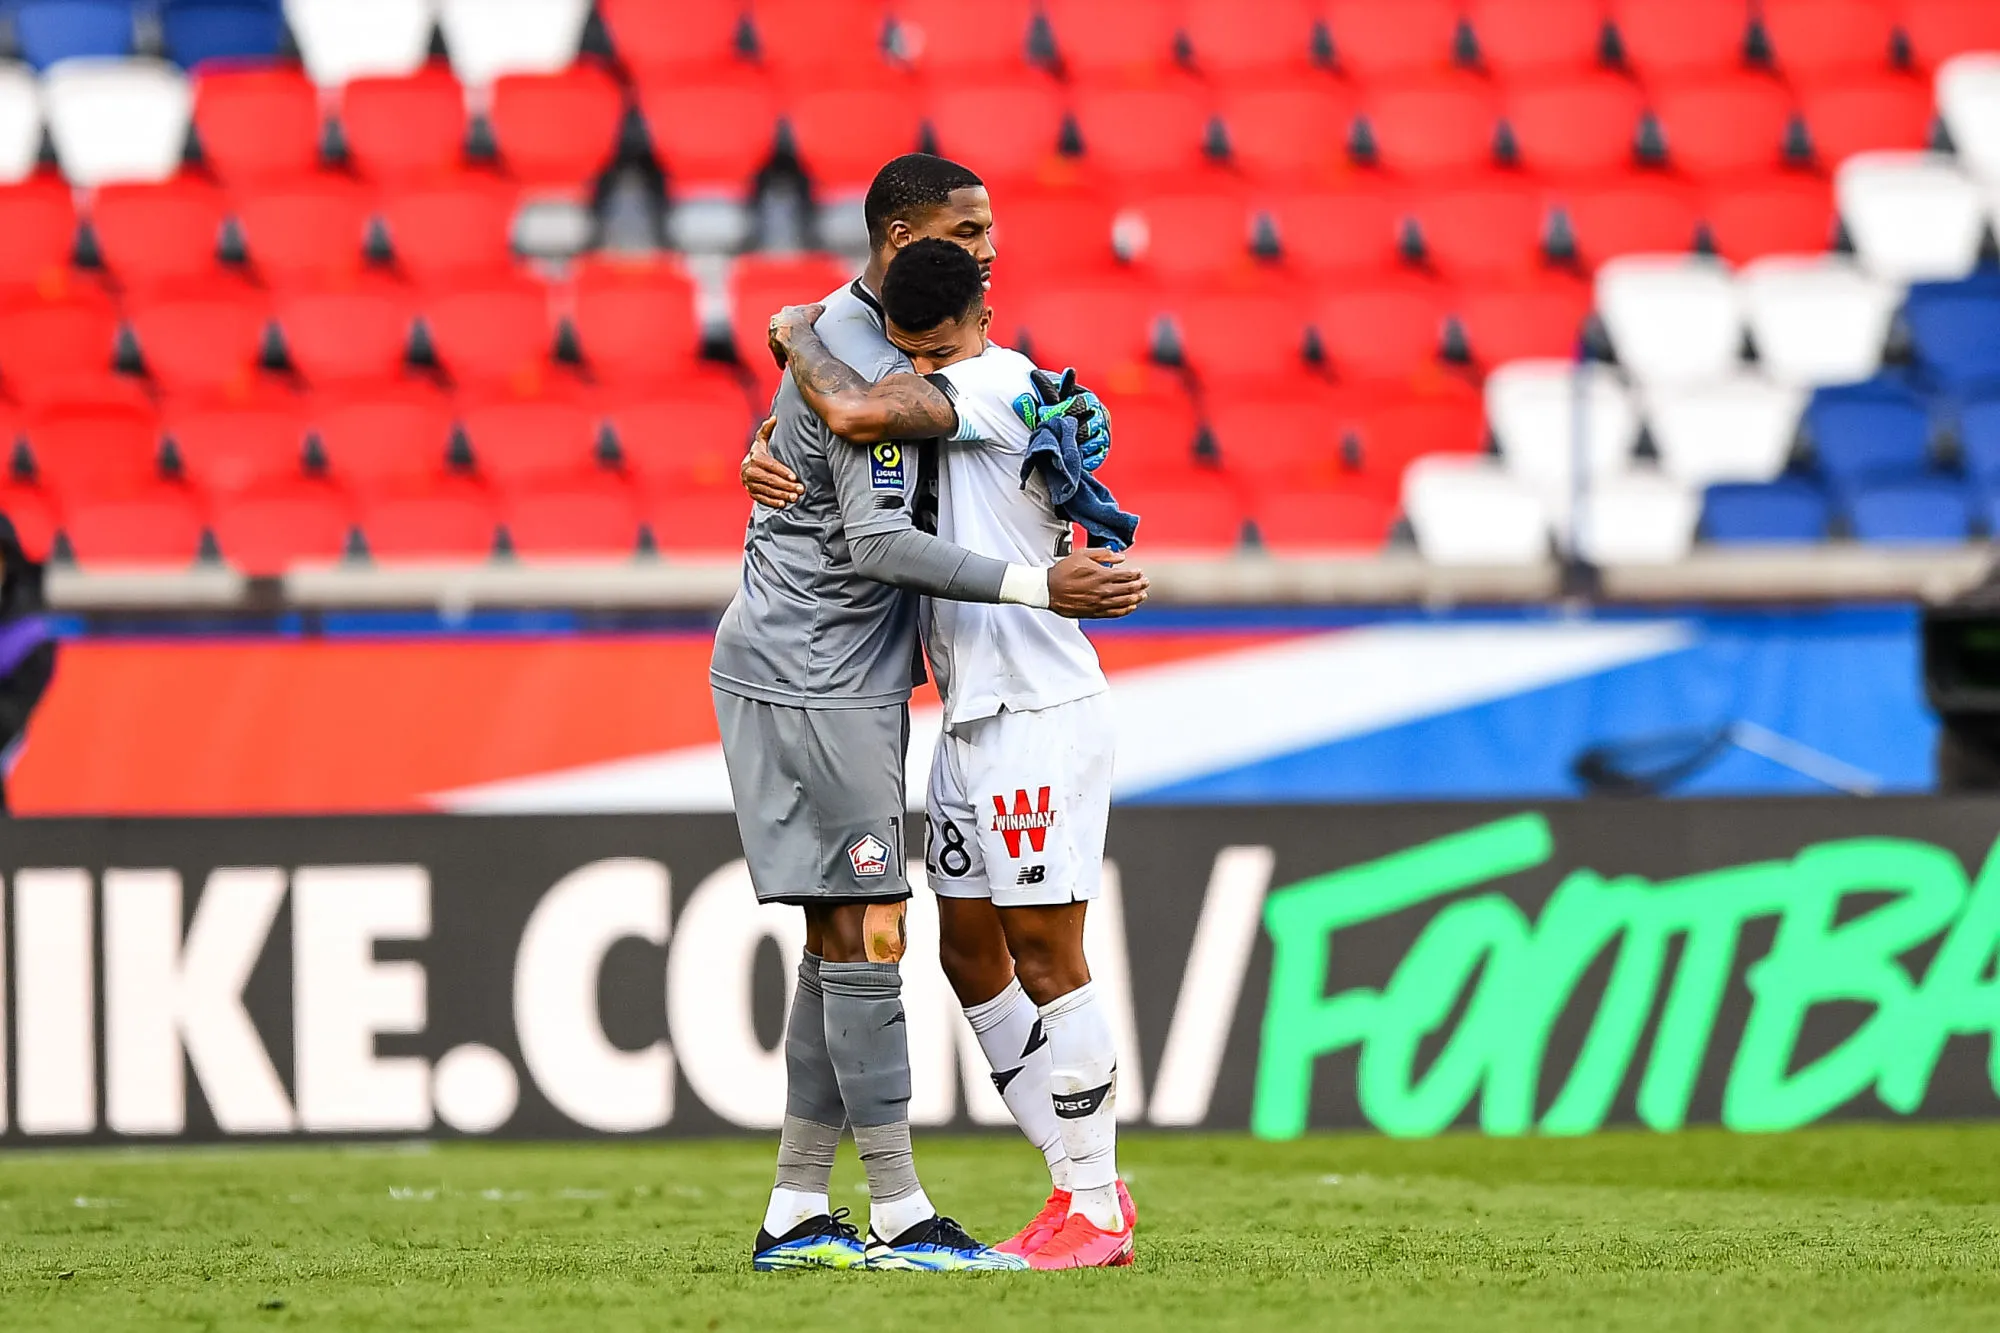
(989, 657)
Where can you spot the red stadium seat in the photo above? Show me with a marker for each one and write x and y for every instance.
(1292, 438)
(1864, 115)
(951, 38)
(1372, 40)
(152, 235)
(452, 230)
(1640, 213)
(1537, 316)
(1434, 125)
(636, 320)
(1537, 38)
(1236, 46)
(697, 520)
(1289, 133)
(404, 129)
(228, 449)
(1335, 519)
(1390, 430)
(1188, 517)
(281, 524)
(1154, 438)
(691, 433)
(1390, 330)
(157, 524)
(844, 134)
(1191, 235)
(658, 38)
(1011, 130)
(346, 335)
(1811, 39)
(1681, 39)
(1142, 132)
(257, 123)
(557, 131)
(1487, 226)
(1103, 329)
(38, 218)
(1356, 230)
(1584, 126)
(1786, 214)
(454, 519)
(1732, 125)
(594, 518)
(493, 333)
(310, 231)
(95, 448)
(1229, 338)
(391, 437)
(519, 441)
(1941, 29)
(712, 137)
(1052, 234)
(1114, 39)
(813, 38)
(43, 340)
(205, 343)
(759, 287)
(32, 511)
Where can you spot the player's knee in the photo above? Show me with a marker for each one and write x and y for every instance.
(1048, 969)
(885, 932)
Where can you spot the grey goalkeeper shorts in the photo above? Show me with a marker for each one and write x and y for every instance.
(819, 798)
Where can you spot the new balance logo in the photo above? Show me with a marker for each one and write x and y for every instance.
(1001, 1078)
(1036, 1040)
(1077, 1105)
(1032, 875)
(1035, 822)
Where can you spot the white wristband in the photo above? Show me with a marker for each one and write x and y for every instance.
(1025, 585)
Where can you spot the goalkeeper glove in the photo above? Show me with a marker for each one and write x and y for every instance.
(1063, 396)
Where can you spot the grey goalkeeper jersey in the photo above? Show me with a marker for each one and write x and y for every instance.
(805, 629)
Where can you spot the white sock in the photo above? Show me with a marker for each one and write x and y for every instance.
(791, 1207)
(1083, 1087)
(1010, 1033)
(890, 1218)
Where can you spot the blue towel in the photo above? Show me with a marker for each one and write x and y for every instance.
(1078, 495)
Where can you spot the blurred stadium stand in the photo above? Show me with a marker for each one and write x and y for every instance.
(1391, 300)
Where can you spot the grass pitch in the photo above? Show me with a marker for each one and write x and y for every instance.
(1877, 1227)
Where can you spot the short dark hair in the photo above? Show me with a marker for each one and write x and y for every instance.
(910, 185)
(929, 282)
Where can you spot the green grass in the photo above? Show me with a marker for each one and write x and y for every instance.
(1878, 1227)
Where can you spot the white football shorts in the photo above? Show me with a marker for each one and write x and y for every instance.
(1018, 803)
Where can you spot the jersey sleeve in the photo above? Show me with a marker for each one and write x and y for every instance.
(876, 485)
(983, 391)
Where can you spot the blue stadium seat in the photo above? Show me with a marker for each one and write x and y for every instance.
(1956, 329)
(199, 30)
(1785, 510)
(1877, 431)
(1979, 439)
(1930, 509)
(52, 30)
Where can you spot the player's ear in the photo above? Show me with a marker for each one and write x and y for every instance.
(985, 319)
(900, 234)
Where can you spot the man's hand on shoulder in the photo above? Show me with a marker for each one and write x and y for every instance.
(769, 482)
(786, 324)
(1096, 584)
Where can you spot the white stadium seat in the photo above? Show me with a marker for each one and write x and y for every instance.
(1968, 94)
(351, 39)
(1532, 409)
(1469, 511)
(1817, 319)
(1673, 319)
(1639, 518)
(1913, 217)
(20, 123)
(116, 120)
(1738, 429)
(489, 38)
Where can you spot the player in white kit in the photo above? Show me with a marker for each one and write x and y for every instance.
(1020, 784)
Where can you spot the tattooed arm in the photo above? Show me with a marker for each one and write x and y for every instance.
(897, 407)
